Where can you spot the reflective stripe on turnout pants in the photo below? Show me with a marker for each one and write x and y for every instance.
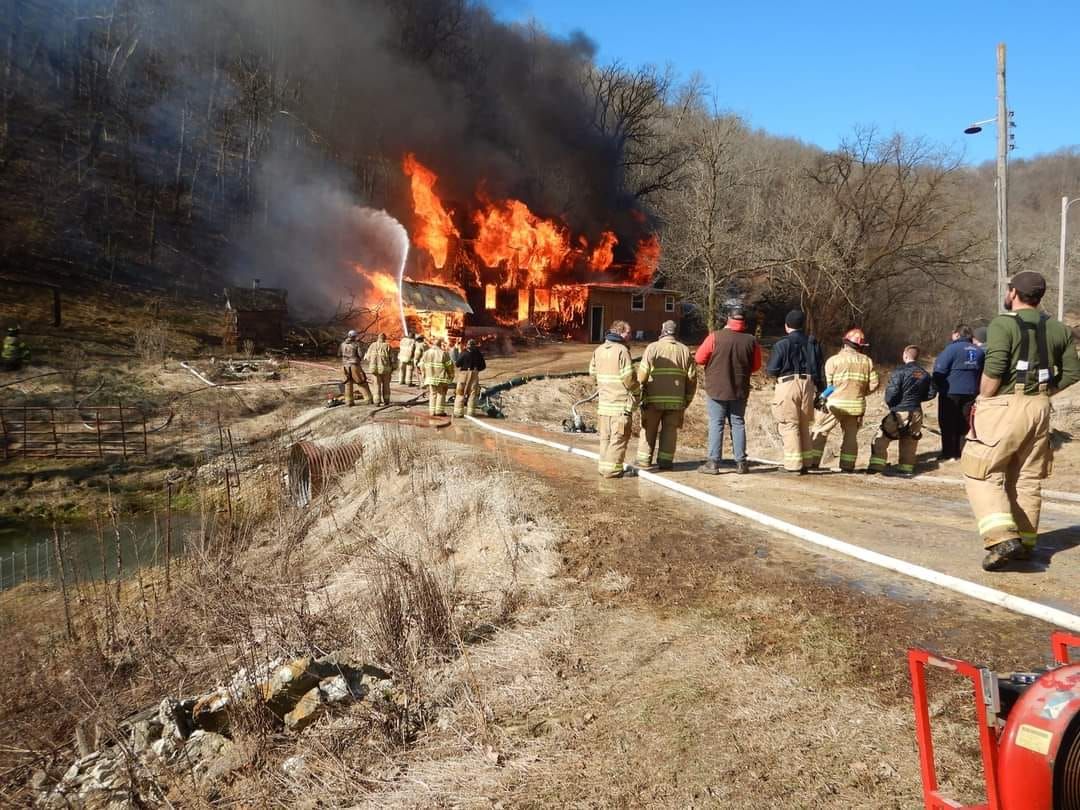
(437, 399)
(849, 444)
(614, 437)
(793, 409)
(382, 388)
(468, 388)
(907, 425)
(662, 423)
(354, 375)
(1005, 463)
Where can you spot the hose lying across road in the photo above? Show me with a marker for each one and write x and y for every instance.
(1016, 604)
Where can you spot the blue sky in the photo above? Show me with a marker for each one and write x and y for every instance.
(815, 70)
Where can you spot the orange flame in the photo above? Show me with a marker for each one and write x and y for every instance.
(646, 261)
(436, 228)
(604, 253)
(511, 235)
(382, 294)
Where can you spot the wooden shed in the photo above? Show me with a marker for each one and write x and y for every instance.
(257, 314)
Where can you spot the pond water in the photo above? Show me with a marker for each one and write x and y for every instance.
(28, 547)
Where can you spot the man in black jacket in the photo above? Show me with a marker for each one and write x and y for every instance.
(909, 387)
(798, 365)
(470, 364)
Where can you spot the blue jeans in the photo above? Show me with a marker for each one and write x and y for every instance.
(721, 411)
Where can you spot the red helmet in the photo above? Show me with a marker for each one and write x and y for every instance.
(856, 337)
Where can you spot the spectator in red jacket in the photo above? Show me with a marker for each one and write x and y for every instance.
(729, 356)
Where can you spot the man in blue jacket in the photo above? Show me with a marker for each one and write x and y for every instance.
(957, 372)
(909, 387)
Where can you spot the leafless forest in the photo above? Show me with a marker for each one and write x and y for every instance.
(168, 144)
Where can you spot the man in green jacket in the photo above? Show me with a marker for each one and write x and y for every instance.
(1029, 358)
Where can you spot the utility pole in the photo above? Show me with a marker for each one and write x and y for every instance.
(1002, 177)
(1066, 204)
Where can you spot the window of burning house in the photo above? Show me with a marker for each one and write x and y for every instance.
(669, 303)
(489, 296)
(523, 304)
(541, 300)
(637, 302)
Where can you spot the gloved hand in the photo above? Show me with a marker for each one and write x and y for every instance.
(821, 404)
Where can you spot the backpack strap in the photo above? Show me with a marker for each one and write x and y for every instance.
(1023, 366)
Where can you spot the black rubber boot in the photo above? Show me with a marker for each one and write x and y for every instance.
(999, 556)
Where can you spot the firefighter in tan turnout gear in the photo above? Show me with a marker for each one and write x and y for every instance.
(405, 361)
(419, 347)
(1029, 358)
(668, 377)
(352, 355)
(438, 371)
(618, 387)
(851, 375)
(795, 362)
(381, 367)
(469, 363)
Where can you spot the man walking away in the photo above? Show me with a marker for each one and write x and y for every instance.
(796, 364)
(470, 364)
(729, 358)
(613, 370)
(668, 378)
(15, 353)
(405, 361)
(851, 375)
(957, 371)
(1029, 358)
(438, 374)
(419, 347)
(381, 368)
(352, 355)
(909, 387)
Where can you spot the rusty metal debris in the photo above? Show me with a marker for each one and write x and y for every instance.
(312, 465)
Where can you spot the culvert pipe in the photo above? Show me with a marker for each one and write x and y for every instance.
(311, 466)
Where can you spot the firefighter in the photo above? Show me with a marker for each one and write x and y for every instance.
(851, 375)
(1029, 358)
(381, 367)
(405, 361)
(438, 374)
(909, 387)
(15, 353)
(419, 347)
(613, 370)
(668, 378)
(470, 364)
(352, 355)
(795, 362)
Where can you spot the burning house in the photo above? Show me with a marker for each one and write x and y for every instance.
(498, 265)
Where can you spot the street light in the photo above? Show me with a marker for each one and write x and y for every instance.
(1066, 204)
(1004, 122)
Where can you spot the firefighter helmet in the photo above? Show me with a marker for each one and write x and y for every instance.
(856, 338)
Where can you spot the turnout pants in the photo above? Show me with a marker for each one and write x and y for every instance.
(382, 388)
(849, 445)
(954, 411)
(662, 424)
(354, 375)
(437, 399)
(614, 437)
(793, 409)
(468, 389)
(1005, 463)
(405, 373)
(902, 426)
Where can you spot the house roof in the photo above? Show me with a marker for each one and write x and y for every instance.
(256, 299)
(631, 288)
(434, 297)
